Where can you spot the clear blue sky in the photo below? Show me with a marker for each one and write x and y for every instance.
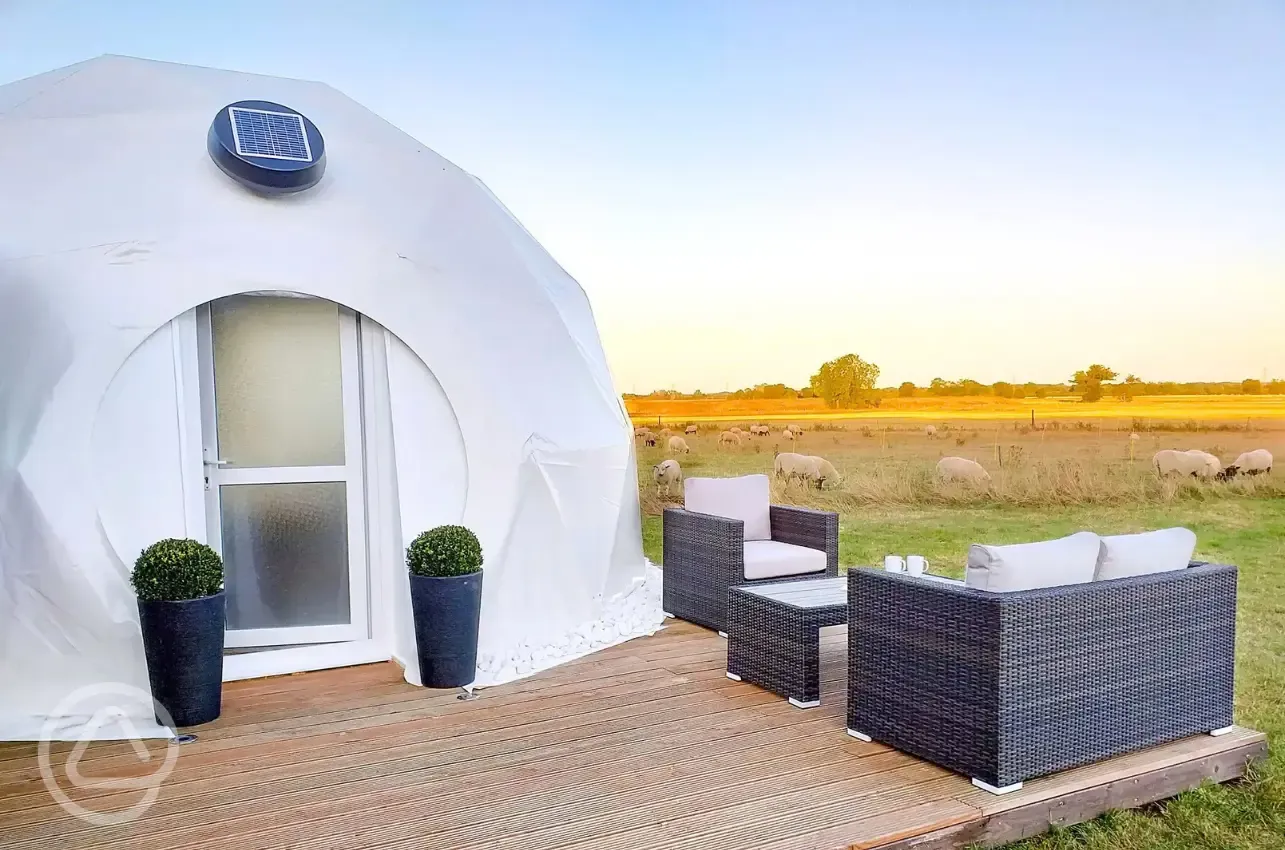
(996, 190)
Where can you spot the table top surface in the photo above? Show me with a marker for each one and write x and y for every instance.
(803, 593)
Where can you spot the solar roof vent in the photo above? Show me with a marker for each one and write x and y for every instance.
(267, 147)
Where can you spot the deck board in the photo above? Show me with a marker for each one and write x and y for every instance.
(645, 745)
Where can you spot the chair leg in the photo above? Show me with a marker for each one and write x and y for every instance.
(1220, 732)
(1007, 789)
(667, 615)
(860, 736)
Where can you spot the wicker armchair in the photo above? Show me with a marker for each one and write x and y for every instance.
(704, 557)
(1004, 687)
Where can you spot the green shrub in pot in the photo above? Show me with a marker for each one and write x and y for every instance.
(182, 615)
(448, 550)
(177, 570)
(445, 567)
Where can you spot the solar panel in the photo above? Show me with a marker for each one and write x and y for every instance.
(271, 135)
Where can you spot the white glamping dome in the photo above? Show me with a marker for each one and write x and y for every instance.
(379, 350)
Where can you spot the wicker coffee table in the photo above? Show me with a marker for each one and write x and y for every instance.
(773, 638)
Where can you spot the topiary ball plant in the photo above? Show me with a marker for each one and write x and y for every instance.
(176, 571)
(448, 550)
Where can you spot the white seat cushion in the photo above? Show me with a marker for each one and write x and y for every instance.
(1026, 566)
(747, 498)
(773, 559)
(1124, 555)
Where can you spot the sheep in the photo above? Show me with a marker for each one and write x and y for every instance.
(797, 429)
(665, 433)
(1194, 462)
(764, 430)
(1257, 462)
(642, 432)
(690, 430)
(666, 473)
(961, 469)
(930, 432)
(787, 434)
(677, 445)
(807, 468)
(1133, 438)
(729, 438)
(735, 429)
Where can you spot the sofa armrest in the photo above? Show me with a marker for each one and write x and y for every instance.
(704, 556)
(811, 528)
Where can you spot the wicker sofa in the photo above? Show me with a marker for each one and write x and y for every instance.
(1004, 687)
(705, 554)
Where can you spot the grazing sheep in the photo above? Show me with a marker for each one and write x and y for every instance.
(735, 429)
(1257, 462)
(691, 429)
(642, 432)
(961, 469)
(789, 465)
(1194, 463)
(807, 468)
(797, 429)
(729, 438)
(666, 473)
(649, 440)
(677, 445)
(764, 430)
(665, 433)
(788, 435)
(930, 432)
(1133, 438)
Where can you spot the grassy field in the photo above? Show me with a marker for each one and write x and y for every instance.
(1050, 483)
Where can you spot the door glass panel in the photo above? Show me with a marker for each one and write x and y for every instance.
(285, 549)
(277, 385)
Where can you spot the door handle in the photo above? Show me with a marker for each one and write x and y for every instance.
(217, 462)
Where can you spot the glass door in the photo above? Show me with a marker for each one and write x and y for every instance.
(281, 416)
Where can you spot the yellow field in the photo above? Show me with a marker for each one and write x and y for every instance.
(1200, 408)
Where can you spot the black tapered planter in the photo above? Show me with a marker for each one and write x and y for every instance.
(184, 646)
(446, 612)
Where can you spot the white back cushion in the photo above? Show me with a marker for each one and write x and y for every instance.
(1160, 551)
(747, 498)
(1026, 566)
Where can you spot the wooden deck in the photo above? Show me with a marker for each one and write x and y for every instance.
(646, 745)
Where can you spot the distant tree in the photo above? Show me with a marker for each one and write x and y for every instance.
(1003, 389)
(1029, 389)
(906, 390)
(1129, 388)
(938, 387)
(807, 392)
(1250, 386)
(1087, 383)
(1041, 392)
(967, 386)
(846, 381)
(1276, 386)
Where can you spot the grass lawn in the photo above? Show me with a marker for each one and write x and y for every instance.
(1247, 532)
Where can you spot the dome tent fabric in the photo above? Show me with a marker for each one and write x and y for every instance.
(500, 411)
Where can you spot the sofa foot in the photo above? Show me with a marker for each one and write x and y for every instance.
(860, 736)
(733, 677)
(667, 615)
(1223, 731)
(723, 635)
(810, 704)
(1007, 789)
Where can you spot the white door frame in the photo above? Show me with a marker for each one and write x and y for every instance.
(217, 474)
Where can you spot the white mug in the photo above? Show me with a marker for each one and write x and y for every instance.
(894, 563)
(916, 565)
